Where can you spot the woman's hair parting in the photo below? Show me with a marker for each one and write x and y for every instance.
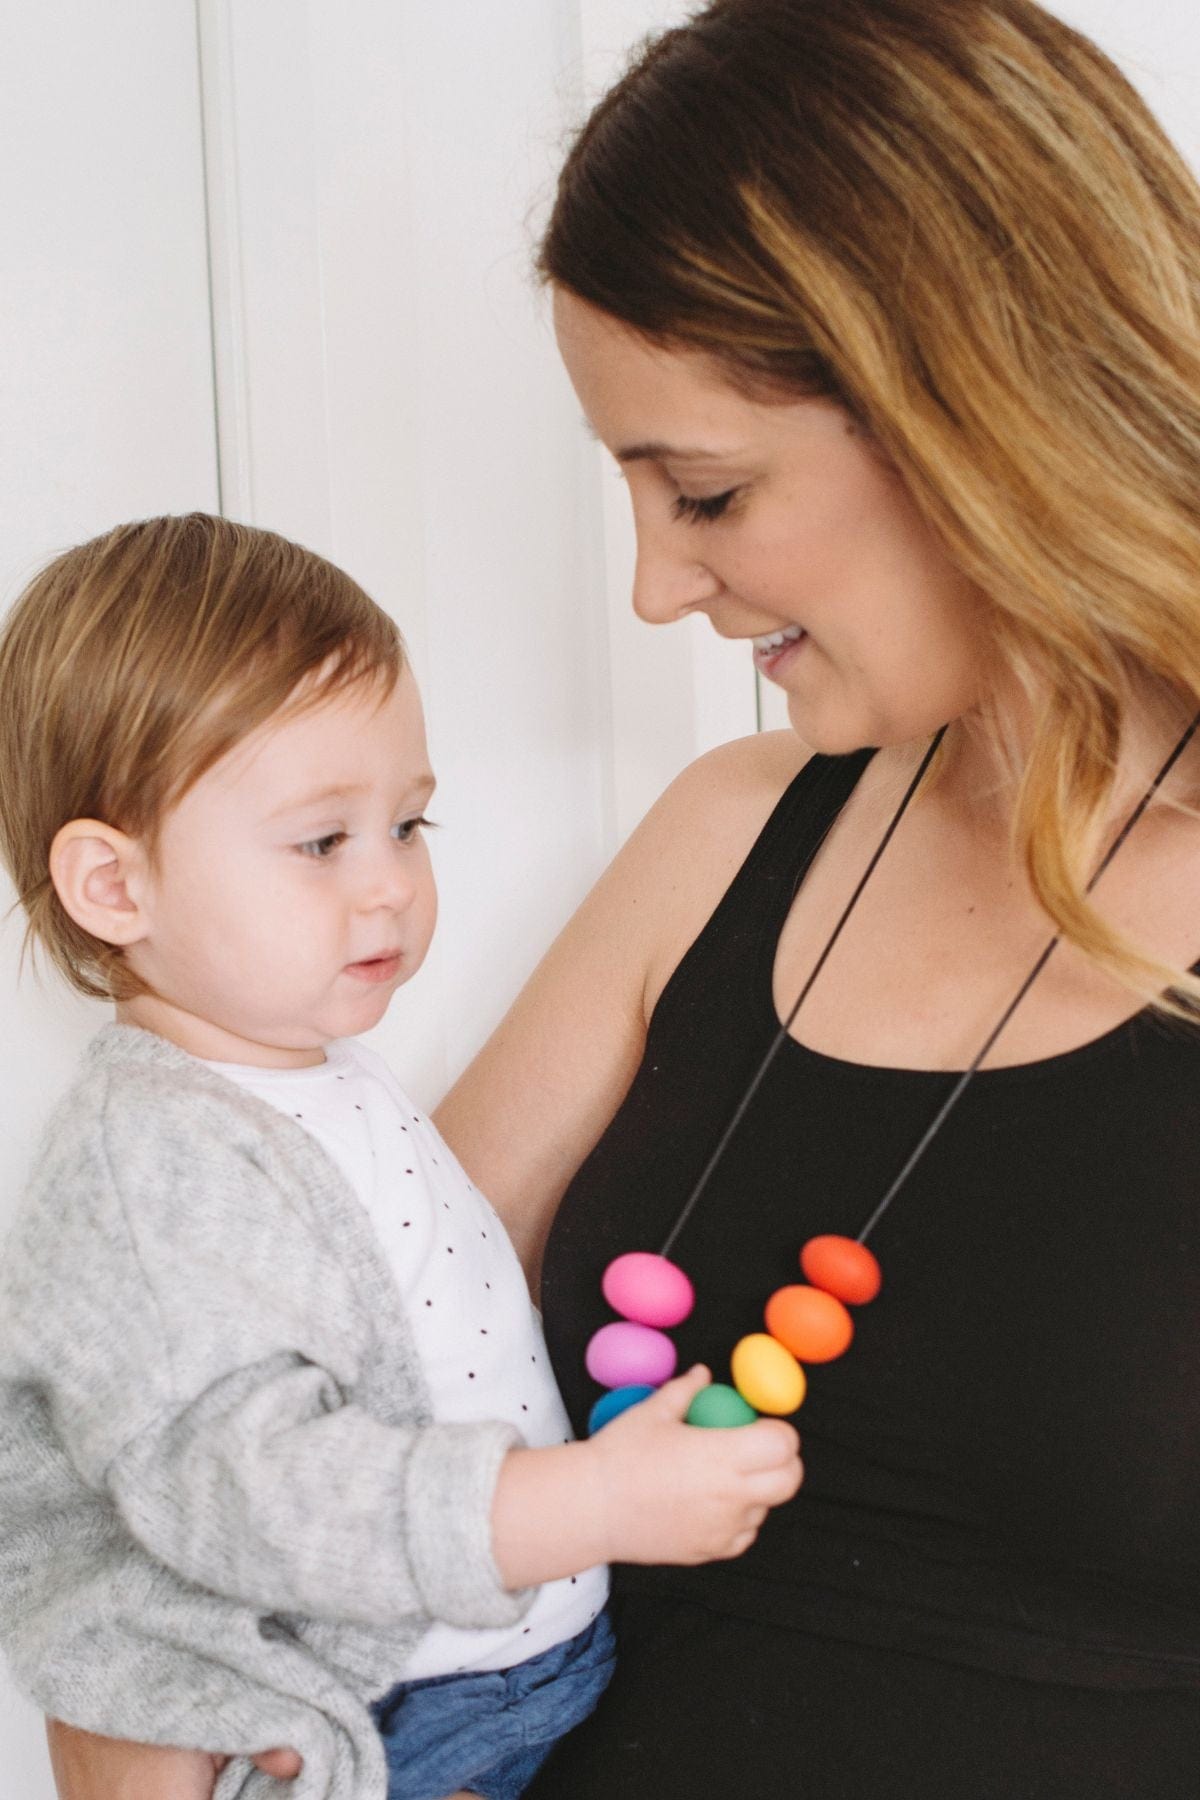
(959, 219)
(133, 663)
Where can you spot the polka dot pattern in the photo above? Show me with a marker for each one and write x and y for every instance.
(477, 1335)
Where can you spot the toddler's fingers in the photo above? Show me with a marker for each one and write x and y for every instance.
(767, 1444)
(674, 1397)
(773, 1486)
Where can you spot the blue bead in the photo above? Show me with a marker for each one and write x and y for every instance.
(610, 1405)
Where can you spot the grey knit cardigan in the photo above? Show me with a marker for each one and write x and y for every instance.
(226, 1515)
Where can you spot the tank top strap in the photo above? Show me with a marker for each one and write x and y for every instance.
(724, 962)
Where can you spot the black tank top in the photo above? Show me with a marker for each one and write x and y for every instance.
(1004, 1469)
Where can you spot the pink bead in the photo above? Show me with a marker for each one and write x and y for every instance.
(648, 1289)
(625, 1353)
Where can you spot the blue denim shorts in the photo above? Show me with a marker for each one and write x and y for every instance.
(492, 1731)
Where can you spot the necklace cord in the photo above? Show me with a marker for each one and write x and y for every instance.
(778, 1040)
(956, 1092)
(961, 1083)
(1011, 1007)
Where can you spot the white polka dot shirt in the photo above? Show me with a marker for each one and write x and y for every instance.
(477, 1333)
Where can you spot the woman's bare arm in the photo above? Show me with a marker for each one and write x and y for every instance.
(529, 1108)
(87, 1767)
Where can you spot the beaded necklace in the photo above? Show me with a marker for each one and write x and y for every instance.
(805, 1322)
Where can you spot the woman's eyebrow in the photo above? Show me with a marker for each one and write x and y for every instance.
(656, 450)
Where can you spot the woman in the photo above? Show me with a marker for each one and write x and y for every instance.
(890, 311)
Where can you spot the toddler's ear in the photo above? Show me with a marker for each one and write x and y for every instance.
(96, 872)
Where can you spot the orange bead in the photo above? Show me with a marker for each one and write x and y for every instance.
(842, 1266)
(812, 1324)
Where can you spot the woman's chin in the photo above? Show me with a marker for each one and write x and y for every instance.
(827, 733)
(834, 732)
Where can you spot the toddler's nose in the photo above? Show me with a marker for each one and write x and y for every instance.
(387, 882)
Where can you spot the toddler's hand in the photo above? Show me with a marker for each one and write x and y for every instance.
(676, 1493)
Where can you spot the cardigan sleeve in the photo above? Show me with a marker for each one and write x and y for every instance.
(201, 1347)
(271, 1489)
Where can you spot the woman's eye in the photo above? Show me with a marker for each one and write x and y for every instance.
(321, 848)
(698, 508)
(406, 831)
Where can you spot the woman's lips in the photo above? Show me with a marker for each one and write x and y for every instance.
(769, 659)
(376, 968)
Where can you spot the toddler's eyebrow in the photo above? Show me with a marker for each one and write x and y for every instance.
(419, 790)
(301, 802)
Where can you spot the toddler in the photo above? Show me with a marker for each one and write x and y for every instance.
(281, 1457)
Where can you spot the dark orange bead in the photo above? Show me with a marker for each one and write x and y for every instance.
(812, 1324)
(842, 1266)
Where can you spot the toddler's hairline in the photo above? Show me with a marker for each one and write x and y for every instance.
(133, 663)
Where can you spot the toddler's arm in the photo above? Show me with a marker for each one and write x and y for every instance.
(648, 1489)
(272, 1489)
(179, 1326)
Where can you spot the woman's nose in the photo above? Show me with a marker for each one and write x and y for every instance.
(668, 580)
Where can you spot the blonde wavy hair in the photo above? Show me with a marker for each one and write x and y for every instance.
(132, 664)
(959, 219)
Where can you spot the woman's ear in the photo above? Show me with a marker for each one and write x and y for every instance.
(97, 873)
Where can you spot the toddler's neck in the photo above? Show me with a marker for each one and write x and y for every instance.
(209, 1041)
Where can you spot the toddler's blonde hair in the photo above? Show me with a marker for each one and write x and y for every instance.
(133, 663)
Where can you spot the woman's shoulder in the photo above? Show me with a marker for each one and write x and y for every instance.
(736, 786)
(694, 840)
(707, 820)
(536, 1098)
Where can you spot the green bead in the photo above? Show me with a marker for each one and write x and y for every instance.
(719, 1407)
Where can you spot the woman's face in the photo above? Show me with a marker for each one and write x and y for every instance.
(780, 518)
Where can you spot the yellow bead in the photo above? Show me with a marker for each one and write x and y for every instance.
(766, 1375)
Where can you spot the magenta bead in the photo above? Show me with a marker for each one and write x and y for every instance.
(625, 1353)
(648, 1289)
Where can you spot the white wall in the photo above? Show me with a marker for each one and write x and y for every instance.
(672, 693)
(387, 379)
(377, 371)
(298, 232)
(107, 384)
(104, 331)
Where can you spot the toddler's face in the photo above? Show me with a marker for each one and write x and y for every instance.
(293, 891)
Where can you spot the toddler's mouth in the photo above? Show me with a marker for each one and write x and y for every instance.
(383, 967)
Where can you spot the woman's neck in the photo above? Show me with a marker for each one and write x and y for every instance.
(979, 774)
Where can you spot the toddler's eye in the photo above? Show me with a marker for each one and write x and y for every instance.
(406, 831)
(321, 848)
(696, 509)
